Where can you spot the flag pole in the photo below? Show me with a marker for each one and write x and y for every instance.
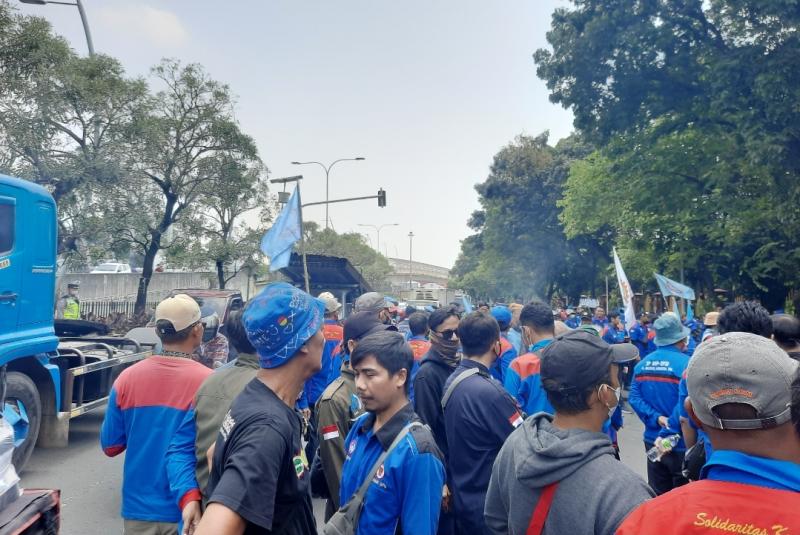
(303, 240)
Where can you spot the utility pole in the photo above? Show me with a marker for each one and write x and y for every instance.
(410, 260)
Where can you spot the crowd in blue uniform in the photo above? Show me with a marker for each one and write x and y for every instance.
(442, 443)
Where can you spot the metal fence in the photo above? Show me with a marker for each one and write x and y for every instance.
(105, 308)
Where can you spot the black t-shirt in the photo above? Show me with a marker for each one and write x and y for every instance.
(259, 469)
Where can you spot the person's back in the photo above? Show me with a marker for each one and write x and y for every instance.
(150, 399)
(522, 379)
(739, 393)
(146, 406)
(562, 468)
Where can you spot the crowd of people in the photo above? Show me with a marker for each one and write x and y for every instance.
(498, 421)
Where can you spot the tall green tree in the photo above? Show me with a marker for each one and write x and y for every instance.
(520, 249)
(693, 105)
(173, 152)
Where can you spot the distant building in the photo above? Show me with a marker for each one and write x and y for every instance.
(423, 275)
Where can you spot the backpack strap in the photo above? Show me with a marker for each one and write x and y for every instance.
(456, 381)
(362, 490)
(542, 509)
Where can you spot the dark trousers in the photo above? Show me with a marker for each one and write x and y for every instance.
(626, 374)
(666, 474)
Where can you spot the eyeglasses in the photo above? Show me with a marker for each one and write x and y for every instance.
(448, 334)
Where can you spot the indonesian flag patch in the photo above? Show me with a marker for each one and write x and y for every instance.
(330, 431)
(515, 420)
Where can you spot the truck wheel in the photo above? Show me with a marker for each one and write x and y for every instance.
(23, 410)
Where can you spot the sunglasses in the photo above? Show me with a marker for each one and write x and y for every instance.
(448, 334)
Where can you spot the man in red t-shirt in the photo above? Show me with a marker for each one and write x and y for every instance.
(740, 394)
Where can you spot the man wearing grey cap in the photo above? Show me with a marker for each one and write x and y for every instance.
(375, 303)
(556, 474)
(740, 393)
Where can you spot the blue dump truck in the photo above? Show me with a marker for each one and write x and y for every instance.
(49, 380)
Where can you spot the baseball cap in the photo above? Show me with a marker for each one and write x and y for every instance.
(624, 352)
(741, 368)
(710, 319)
(176, 313)
(279, 320)
(372, 302)
(360, 324)
(501, 314)
(575, 361)
(74, 284)
(669, 330)
(331, 303)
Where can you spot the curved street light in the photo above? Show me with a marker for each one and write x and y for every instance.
(82, 12)
(378, 231)
(327, 177)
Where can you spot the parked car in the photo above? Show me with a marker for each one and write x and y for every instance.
(107, 268)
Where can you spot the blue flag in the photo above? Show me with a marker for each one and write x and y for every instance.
(279, 240)
(670, 287)
(689, 311)
(467, 304)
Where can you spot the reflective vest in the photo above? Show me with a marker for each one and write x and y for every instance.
(72, 308)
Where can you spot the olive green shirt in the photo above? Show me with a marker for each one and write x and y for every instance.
(338, 407)
(212, 402)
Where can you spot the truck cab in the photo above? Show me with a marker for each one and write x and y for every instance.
(48, 380)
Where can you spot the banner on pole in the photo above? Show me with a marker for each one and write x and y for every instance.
(279, 240)
(627, 293)
(670, 287)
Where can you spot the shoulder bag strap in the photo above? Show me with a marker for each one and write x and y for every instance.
(455, 383)
(362, 490)
(542, 509)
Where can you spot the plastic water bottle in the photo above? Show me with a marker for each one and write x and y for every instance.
(662, 447)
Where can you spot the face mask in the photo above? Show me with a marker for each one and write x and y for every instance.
(447, 348)
(618, 395)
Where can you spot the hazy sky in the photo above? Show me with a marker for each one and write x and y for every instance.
(426, 91)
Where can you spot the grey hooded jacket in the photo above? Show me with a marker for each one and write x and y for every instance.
(595, 491)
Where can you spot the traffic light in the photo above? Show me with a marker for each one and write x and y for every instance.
(381, 198)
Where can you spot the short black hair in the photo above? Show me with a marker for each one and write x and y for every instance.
(390, 350)
(745, 317)
(538, 316)
(236, 333)
(418, 323)
(479, 332)
(571, 401)
(786, 330)
(440, 315)
(410, 310)
(612, 315)
(171, 336)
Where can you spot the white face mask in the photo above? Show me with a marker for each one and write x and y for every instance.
(618, 394)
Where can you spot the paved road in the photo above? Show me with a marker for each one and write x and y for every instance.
(90, 482)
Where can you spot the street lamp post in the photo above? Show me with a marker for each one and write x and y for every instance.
(378, 231)
(327, 178)
(82, 12)
(410, 260)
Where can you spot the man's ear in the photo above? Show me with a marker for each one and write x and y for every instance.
(402, 373)
(687, 404)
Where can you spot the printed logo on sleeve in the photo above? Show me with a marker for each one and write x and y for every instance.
(330, 432)
(515, 420)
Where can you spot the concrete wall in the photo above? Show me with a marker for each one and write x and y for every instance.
(123, 286)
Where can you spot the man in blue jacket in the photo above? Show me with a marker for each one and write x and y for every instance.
(508, 352)
(654, 396)
(478, 415)
(406, 491)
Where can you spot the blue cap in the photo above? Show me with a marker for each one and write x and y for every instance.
(279, 320)
(669, 330)
(501, 314)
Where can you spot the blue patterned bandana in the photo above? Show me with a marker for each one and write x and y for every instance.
(279, 320)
